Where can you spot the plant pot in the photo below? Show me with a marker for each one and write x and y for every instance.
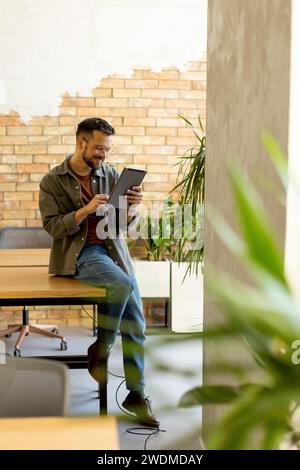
(153, 278)
(186, 300)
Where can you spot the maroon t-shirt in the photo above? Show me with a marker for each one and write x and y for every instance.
(92, 219)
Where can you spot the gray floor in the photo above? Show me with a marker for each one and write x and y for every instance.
(171, 369)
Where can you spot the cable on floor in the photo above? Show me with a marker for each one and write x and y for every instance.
(135, 430)
(87, 313)
(149, 435)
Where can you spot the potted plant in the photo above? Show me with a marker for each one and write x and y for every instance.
(152, 272)
(180, 279)
(162, 274)
(186, 268)
(191, 185)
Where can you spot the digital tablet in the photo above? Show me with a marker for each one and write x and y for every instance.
(128, 178)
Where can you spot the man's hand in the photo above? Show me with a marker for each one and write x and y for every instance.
(134, 195)
(97, 201)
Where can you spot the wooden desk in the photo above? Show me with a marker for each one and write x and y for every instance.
(36, 285)
(86, 433)
(24, 280)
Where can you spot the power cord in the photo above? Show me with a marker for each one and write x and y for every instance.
(87, 313)
(149, 435)
(136, 430)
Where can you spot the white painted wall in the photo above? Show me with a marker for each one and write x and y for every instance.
(49, 47)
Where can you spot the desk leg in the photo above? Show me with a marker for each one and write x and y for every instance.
(95, 320)
(101, 336)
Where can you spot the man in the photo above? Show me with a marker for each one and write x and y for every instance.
(70, 196)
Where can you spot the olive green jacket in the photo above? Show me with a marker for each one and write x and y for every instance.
(60, 197)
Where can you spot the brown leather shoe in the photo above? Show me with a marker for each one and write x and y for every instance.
(94, 363)
(141, 407)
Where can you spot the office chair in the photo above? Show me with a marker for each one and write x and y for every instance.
(33, 387)
(27, 237)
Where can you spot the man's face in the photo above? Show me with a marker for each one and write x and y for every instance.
(97, 147)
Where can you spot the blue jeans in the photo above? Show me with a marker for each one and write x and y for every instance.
(124, 309)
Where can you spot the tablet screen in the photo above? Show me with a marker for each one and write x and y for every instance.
(128, 178)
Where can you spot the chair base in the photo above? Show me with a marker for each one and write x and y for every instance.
(24, 330)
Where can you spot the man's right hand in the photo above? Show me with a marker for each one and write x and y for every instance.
(97, 201)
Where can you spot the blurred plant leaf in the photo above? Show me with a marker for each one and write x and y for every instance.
(258, 235)
(213, 394)
(277, 156)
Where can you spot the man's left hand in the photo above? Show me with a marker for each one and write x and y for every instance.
(134, 195)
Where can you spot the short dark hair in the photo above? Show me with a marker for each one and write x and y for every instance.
(94, 124)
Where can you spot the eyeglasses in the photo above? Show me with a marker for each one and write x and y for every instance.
(100, 148)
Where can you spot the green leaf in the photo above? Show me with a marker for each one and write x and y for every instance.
(229, 237)
(267, 310)
(258, 235)
(185, 119)
(258, 408)
(276, 154)
(209, 395)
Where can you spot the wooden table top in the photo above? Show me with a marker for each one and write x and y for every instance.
(35, 282)
(59, 433)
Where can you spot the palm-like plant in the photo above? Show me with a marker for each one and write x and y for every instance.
(265, 315)
(191, 184)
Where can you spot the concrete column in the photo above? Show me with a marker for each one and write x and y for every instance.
(248, 90)
(292, 241)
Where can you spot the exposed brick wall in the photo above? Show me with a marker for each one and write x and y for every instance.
(143, 109)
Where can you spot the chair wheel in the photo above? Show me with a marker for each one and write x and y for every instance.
(26, 334)
(17, 352)
(64, 345)
(8, 336)
(54, 330)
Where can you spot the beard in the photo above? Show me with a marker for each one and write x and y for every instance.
(93, 162)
